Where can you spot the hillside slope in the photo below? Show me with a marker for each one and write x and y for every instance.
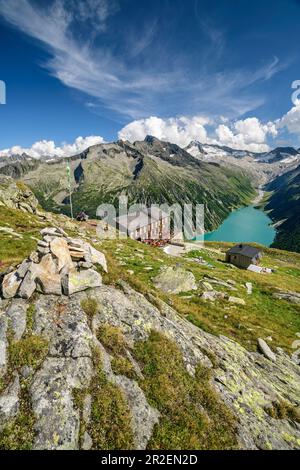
(284, 205)
(126, 365)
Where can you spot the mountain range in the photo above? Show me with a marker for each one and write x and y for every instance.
(148, 172)
(284, 155)
(156, 172)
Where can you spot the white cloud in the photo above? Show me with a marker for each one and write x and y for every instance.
(245, 134)
(47, 148)
(248, 134)
(291, 120)
(176, 130)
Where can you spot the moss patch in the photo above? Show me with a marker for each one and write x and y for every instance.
(29, 351)
(123, 366)
(192, 415)
(90, 307)
(112, 338)
(110, 425)
(19, 433)
(282, 409)
(115, 343)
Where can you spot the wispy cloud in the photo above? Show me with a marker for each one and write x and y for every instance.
(74, 32)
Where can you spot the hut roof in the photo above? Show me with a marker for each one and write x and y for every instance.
(245, 250)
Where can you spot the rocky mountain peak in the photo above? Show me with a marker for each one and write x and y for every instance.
(150, 139)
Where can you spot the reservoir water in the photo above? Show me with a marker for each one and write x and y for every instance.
(245, 225)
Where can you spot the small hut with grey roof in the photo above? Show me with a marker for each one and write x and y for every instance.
(243, 256)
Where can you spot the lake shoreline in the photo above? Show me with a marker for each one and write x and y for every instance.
(245, 225)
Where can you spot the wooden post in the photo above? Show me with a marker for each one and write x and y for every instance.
(70, 187)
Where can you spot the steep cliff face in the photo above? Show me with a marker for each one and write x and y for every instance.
(17, 166)
(284, 206)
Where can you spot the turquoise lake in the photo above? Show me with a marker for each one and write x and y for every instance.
(245, 225)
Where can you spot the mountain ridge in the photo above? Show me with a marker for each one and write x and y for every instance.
(154, 171)
(272, 156)
(148, 172)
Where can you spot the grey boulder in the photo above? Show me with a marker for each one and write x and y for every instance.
(9, 401)
(175, 280)
(266, 350)
(77, 281)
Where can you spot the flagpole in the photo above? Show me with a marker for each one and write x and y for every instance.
(70, 189)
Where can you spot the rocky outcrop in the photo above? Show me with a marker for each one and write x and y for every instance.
(292, 297)
(3, 343)
(236, 300)
(175, 280)
(16, 195)
(9, 401)
(61, 265)
(249, 287)
(248, 382)
(266, 350)
(212, 295)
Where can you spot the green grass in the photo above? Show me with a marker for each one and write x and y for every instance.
(192, 415)
(29, 351)
(115, 343)
(110, 424)
(19, 433)
(12, 249)
(263, 315)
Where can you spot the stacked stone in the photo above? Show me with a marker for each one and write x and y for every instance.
(60, 266)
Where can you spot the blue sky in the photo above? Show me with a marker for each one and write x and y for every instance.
(218, 71)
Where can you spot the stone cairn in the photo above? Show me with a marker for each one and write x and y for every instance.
(60, 266)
